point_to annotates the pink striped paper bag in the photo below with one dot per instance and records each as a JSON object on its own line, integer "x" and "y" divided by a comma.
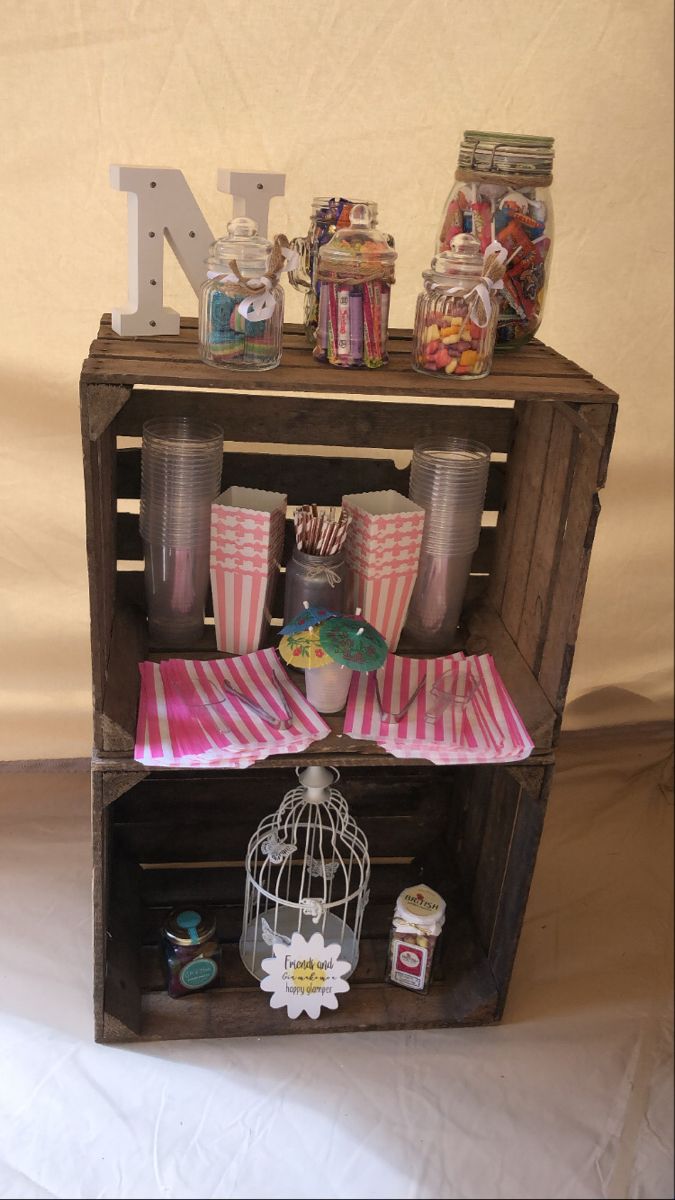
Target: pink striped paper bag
{"x": 247, "y": 533}
{"x": 488, "y": 729}
{"x": 187, "y": 719}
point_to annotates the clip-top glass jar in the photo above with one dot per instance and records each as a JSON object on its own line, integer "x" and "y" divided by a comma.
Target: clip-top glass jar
{"x": 192, "y": 952}
{"x": 355, "y": 273}
{"x": 501, "y": 192}
{"x": 228, "y": 338}
{"x": 419, "y": 917}
{"x": 453, "y": 332}
{"x": 328, "y": 215}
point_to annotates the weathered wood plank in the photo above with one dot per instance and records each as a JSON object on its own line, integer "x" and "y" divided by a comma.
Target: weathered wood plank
{"x": 305, "y": 479}
{"x": 537, "y": 428}
{"x": 466, "y": 996}
{"x": 321, "y": 421}
{"x": 567, "y": 589}
{"x": 544, "y": 553}
{"x": 129, "y": 548}
{"x": 183, "y": 351}
{"x": 299, "y": 372}
{"x": 99, "y": 477}
{"x": 516, "y": 878}
{"x": 122, "y": 991}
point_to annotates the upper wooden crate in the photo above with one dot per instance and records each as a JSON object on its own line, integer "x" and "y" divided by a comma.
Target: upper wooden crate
{"x": 547, "y": 422}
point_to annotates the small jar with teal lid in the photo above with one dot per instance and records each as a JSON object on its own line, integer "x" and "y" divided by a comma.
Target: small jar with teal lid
{"x": 192, "y": 952}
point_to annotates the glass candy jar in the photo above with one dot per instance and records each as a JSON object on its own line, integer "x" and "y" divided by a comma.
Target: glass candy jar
{"x": 456, "y": 314}
{"x": 419, "y": 917}
{"x": 240, "y": 328}
{"x": 328, "y": 215}
{"x": 192, "y": 952}
{"x": 502, "y": 191}
{"x": 355, "y": 273}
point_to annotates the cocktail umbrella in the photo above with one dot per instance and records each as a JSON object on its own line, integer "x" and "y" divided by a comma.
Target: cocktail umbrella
{"x": 303, "y": 649}
{"x": 308, "y": 617}
{"x": 353, "y": 643}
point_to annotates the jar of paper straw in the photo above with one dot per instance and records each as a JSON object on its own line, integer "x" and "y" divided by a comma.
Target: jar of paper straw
{"x": 355, "y": 274}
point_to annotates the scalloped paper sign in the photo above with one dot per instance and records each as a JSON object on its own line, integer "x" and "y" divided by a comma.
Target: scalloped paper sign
{"x": 305, "y": 976}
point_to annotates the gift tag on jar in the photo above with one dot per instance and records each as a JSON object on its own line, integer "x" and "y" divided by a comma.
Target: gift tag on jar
{"x": 305, "y": 975}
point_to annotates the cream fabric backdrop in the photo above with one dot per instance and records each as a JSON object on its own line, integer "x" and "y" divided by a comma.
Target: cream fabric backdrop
{"x": 365, "y": 98}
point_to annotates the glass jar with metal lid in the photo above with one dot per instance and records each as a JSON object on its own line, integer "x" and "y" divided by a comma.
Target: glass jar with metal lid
{"x": 355, "y": 274}
{"x": 329, "y": 213}
{"x": 192, "y": 952}
{"x": 419, "y": 917}
{"x": 502, "y": 192}
{"x": 456, "y": 314}
{"x": 241, "y": 302}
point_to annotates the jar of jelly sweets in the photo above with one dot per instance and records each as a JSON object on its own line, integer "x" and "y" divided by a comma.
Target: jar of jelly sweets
{"x": 192, "y": 952}
{"x": 418, "y": 920}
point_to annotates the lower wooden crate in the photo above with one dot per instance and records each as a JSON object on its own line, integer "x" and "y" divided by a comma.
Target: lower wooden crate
{"x": 471, "y": 832}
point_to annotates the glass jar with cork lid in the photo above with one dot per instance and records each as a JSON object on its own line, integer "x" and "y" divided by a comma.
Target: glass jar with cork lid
{"x": 502, "y": 193}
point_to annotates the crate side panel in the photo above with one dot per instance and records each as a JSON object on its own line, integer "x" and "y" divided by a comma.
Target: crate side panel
{"x": 321, "y": 421}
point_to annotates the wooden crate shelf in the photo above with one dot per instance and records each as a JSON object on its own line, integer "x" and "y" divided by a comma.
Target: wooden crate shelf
{"x": 472, "y": 832}
{"x": 317, "y": 433}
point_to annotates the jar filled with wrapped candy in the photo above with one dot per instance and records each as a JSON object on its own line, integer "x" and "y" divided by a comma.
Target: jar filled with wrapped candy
{"x": 355, "y": 274}
{"x": 328, "y": 215}
{"x": 502, "y": 193}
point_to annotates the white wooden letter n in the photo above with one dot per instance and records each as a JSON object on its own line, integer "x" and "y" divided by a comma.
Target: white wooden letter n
{"x": 161, "y": 205}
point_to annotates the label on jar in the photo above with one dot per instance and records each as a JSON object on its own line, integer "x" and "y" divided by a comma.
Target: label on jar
{"x": 198, "y": 973}
{"x": 409, "y": 965}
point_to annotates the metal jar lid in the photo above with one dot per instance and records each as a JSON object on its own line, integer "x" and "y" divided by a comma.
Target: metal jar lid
{"x": 506, "y": 153}
{"x": 421, "y": 906}
{"x": 189, "y": 926}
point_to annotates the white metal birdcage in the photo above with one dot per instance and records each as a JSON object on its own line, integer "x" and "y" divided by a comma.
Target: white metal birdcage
{"x": 307, "y": 870}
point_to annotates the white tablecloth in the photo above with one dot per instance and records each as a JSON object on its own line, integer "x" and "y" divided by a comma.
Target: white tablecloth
{"x": 570, "y": 1097}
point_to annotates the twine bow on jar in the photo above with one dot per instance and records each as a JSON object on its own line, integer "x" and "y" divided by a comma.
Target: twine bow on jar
{"x": 259, "y": 301}
{"x": 325, "y": 573}
{"x": 491, "y": 281}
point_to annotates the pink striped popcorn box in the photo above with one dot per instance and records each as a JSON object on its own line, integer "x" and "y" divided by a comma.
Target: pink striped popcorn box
{"x": 241, "y": 607}
{"x": 383, "y": 601}
{"x": 385, "y": 512}
{"x": 247, "y": 531}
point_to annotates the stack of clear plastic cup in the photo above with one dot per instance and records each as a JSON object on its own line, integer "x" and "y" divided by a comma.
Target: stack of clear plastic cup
{"x": 448, "y": 479}
{"x": 181, "y": 466}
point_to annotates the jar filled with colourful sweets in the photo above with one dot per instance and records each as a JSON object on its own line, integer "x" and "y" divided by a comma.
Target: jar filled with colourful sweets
{"x": 456, "y": 314}
{"x": 328, "y": 215}
{"x": 192, "y": 952}
{"x": 241, "y": 302}
{"x": 355, "y": 273}
{"x": 418, "y": 920}
{"x": 502, "y": 192}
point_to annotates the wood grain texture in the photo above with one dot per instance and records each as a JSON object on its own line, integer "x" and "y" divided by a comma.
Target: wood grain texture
{"x": 176, "y": 363}
{"x": 473, "y": 832}
{"x": 296, "y": 419}
{"x": 319, "y": 479}
{"x": 99, "y": 478}
{"x": 485, "y": 630}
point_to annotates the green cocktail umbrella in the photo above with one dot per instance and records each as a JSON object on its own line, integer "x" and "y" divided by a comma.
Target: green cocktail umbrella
{"x": 353, "y": 643}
